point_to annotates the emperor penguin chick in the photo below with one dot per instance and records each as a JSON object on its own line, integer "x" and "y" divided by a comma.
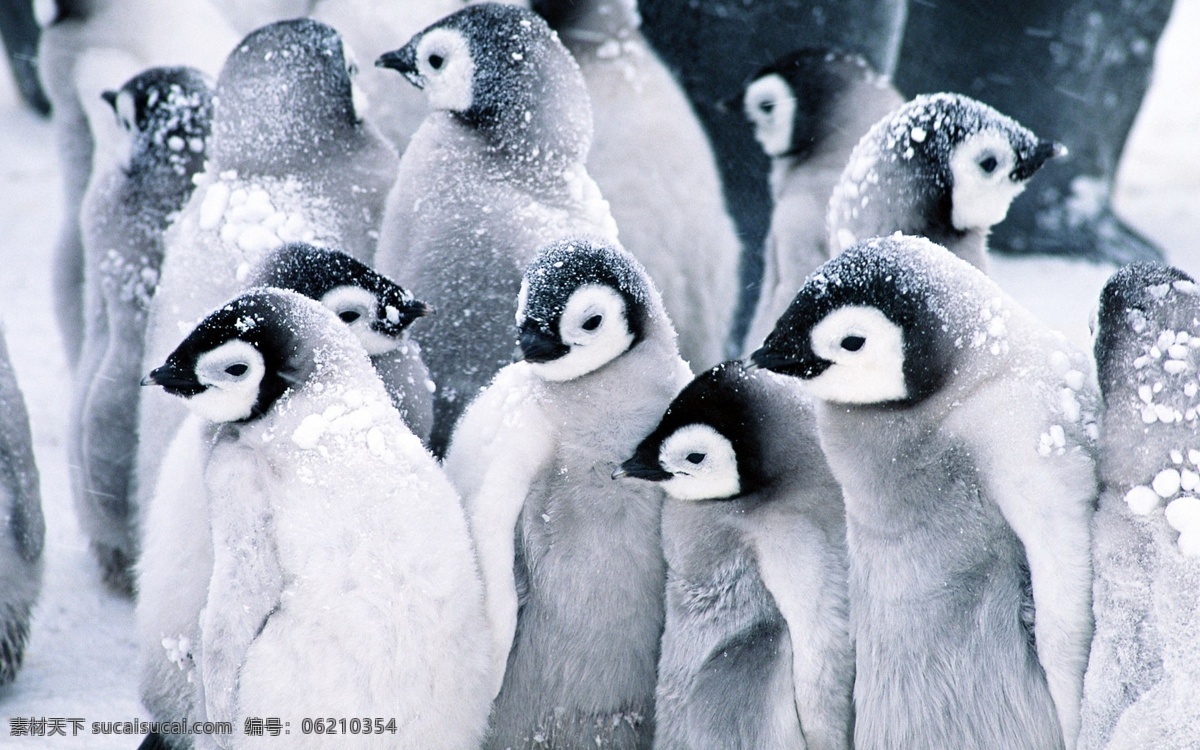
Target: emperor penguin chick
{"x": 1147, "y": 585}
{"x": 23, "y": 531}
{"x": 176, "y": 556}
{"x": 163, "y": 117}
{"x": 962, "y": 432}
{"x": 495, "y": 172}
{"x": 756, "y": 650}
{"x": 580, "y": 625}
{"x": 655, "y": 166}
{"x": 341, "y": 557}
{"x": 809, "y": 108}
{"x": 943, "y": 166}
{"x": 289, "y": 160}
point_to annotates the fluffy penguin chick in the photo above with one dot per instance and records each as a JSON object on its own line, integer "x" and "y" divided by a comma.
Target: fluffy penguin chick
{"x": 341, "y": 557}
{"x": 756, "y": 650}
{"x": 289, "y": 160}
{"x": 1147, "y": 587}
{"x": 580, "y": 625}
{"x": 495, "y": 172}
{"x": 23, "y": 530}
{"x": 961, "y": 431}
{"x": 809, "y": 108}
{"x": 943, "y": 166}
{"x": 163, "y": 117}
{"x": 655, "y": 166}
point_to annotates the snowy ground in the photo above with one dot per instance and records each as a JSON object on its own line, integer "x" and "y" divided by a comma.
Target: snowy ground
{"x": 81, "y": 661}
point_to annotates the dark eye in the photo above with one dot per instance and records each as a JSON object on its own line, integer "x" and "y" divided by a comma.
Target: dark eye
{"x": 237, "y": 370}
{"x": 989, "y": 164}
{"x": 695, "y": 458}
{"x": 436, "y": 61}
{"x": 349, "y": 316}
{"x": 768, "y": 106}
{"x": 592, "y": 323}
{"x": 853, "y": 343}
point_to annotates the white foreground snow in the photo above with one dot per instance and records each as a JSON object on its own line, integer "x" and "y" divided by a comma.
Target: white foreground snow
{"x": 81, "y": 659}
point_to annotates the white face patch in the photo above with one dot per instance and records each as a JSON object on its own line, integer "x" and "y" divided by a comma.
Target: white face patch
{"x": 983, "y": 188}
{"x": 703, "y": 462}
{"x": 867, "y": 352}
{"x": 232, "y": 374}
{"x": 357, "y": 308}
{"x": 594, "y": 326}
{"x": 445, "y": 65}
{"x": 771, "y": 106}
{"x": 359, "y": 97}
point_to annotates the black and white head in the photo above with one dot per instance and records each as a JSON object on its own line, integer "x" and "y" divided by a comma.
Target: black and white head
{"x": 165, "y": 115}
{"x": 877, "y": 324}
{"x": 941, "y": 166}
{"x": 500, "y": 68}
{"x": 241, "y": 358}
{"x": 377, "y": 309}
{"x": 790, "y": 102}
{"x": 708, "y": 445}
{"x": 582, "y": 304}
{"x": 285, "y": 93}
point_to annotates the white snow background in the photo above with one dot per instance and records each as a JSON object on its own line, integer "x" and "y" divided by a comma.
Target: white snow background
{"x": 81, "y": 659}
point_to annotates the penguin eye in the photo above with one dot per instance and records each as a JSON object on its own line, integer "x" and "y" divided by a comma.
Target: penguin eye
{"x": 237, "y": 370}
{"x": 349, "y": 316}
{"x": 695, "y": 458}
{"x": 436, "y": 61}
{"x": 989, "y": 164}
{"x": 592, "y": 323}
{"x": 853, "y": 343}
{"x": 767, "y": 106}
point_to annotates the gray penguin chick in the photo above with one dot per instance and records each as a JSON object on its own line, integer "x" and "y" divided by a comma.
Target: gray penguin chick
{"x": 576, "y": 619}
{"x": 962, "y": 432}
{"x": 655, "y": 166}
{"x": 1147, "y": 583}
{"x": 495, "y": 172}
{"x": 756, "y": 649}
{"x": 163, "y": 116}
{"x": 289, "y": 160}
{"x": 943, "y": 166}
{"x": 23, "y": 532}
{"x": 809, "y": 109}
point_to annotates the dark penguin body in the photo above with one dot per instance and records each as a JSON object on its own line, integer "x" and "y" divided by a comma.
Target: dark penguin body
{"x": 756, "y": 651}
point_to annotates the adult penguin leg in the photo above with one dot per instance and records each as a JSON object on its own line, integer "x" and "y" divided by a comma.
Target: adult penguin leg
{"x": 20, "y": 33}
{"x": 1073, "y": 70}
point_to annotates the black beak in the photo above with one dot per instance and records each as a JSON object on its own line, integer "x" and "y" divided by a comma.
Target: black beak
{"x": 1028, "y": 165}
{"x": 639, "y": 469}
{"x": 766, "y": 358}
{"x": 111, "y": 98}
{"x": 173, "y": 381}
{"x": 403, "y": 60}
{"x": 539, "y": 346}
{"x": 395, "y": 318}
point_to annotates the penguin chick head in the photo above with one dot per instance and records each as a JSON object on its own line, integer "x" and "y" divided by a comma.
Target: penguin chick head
{"x": 582, "y": 304}
{"x": 789, "y": 101}
{"x": 500, "y": 68}
{"x": 941, "y": 166}
{"x": 377, "y": 309}
{"x": 165, "y": 115}
{"x": 706, "y": 447}
{"x": 874, "y": 324}
{"x": 239, "y": 360}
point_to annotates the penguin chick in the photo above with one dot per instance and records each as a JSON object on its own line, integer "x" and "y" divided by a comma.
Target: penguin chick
{"x": 23, "y": 531}
{"x": 809, "y": 108}
{"x": 580, "y": 625}
{"x": 961, "y": 431}
{"x": 163, "y": 117}
{"x": 171, "y": 594}
{"x": 1147, "y": 588}
{"x": 756, "y": 650}
{"x": 495, "y": 172}
{"x": 341, "y": 557}
{"x": 655, "y": 166}
{"x": 943, "y": 166}
{"x": 289, "y": 160}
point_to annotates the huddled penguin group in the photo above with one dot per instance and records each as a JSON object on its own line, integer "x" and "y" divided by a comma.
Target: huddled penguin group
{"x": 387, "y": 406}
